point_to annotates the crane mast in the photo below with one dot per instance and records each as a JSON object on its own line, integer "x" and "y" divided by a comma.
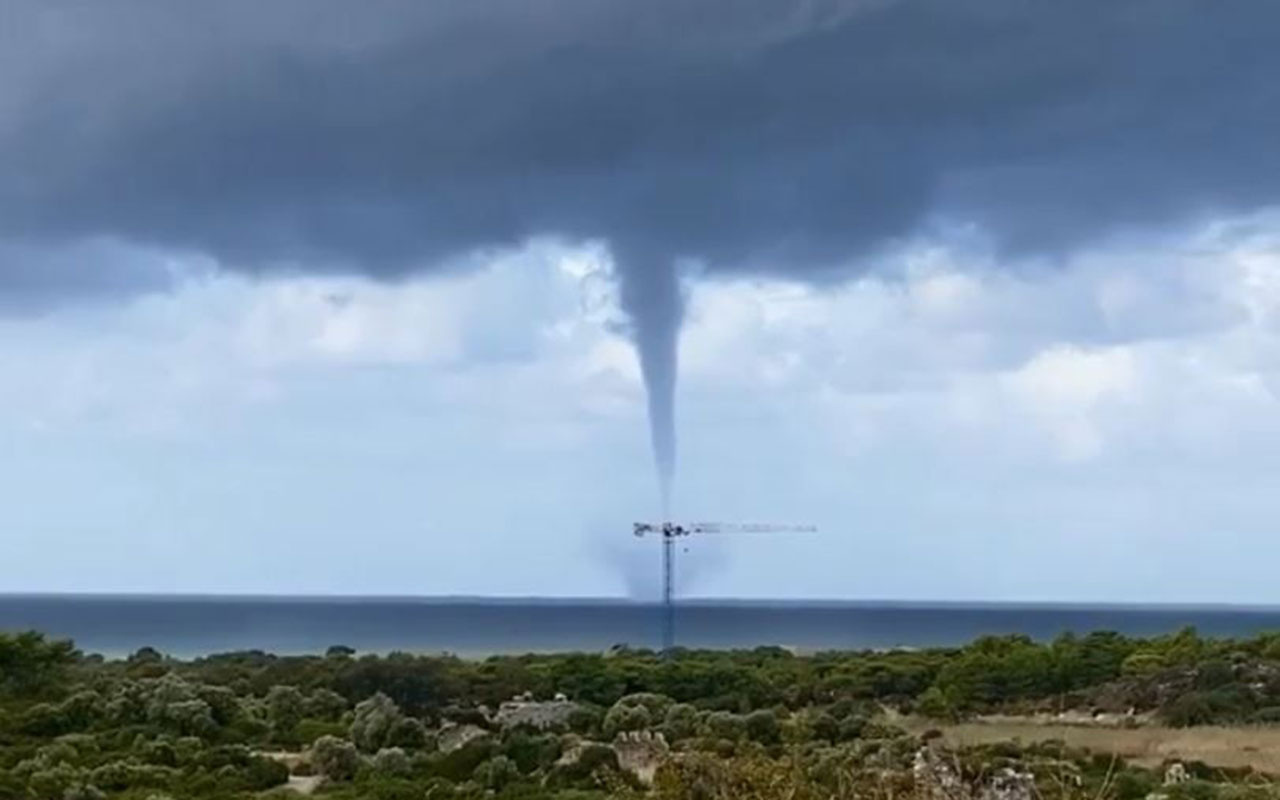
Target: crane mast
{"x": 670, "y": 532}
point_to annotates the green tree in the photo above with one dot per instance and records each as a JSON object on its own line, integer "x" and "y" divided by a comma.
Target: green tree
{"x": 762, "y": 726}
{"x": 286, "y": 707}
{"x": 497, "y": 773}
{"x": 681, "y": 722}
{"x": 373, "y": 722}
{"x": 30, "y": 664}
{"x": 935, "y": 704}
{"x": 334, "y": 758}
{"x": 626, "y": 718}
{"x": 325, "y": 704}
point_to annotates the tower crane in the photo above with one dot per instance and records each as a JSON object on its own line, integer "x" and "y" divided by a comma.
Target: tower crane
{"x": 669, "y": 532}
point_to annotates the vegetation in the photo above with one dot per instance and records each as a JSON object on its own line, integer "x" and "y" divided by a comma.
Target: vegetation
{"x": 702, "y": 724}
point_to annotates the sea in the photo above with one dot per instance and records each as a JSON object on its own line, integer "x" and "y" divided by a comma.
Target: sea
{"x": 190, "y": 626}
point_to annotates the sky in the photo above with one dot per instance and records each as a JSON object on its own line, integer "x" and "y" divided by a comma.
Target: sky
{"x": 438, "y": 299}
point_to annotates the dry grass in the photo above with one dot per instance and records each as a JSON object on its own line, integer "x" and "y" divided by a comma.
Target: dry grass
{"x": 1149, "y": 745}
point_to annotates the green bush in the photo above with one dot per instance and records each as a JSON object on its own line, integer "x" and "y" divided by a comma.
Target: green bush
{"x": 1268, "y": 715}
{"x": 622, "y": 718}
{"x": 725, "y": 725}
{"x": 586, "y": 719}
{"x": 681, "y": 722}
{"x": 374, "y": 720}
{"x": 326, "y": 705}
{"x": 593, "y": 762}
{"x": 391, "y": 762}
{"x": 264, "y": 773}
{"x": 936, "y": 704}
{"x": 334, "y": 758}
{"x": 285, "y": 708}
{"x": 762, "y": 726}
{"x": 310, "y": 729}
{"x": 1143, "y": 665}
{"x": 1187, "y": 710}
{"x": 496, "y": 773}
{"x": 408, "y": 733}
{"x": 460, "y": 764}
{"x": 531, "y": 751}
{"x": 120, "y": 775}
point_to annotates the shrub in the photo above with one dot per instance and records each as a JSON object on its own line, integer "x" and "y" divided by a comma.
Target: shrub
{"x": 223, "y": 703}
{"x": 30, "y": 664}
{"x": 586, "y": 719}
{"x": 373, "y": 722}
{"x": 54, "y": 781}
{"x": 655, "y": 704}
{"x": 460, "y": 764}
{"x": 530, "y": 751}
{"x": 496, "y": 773}
{"x": 326, "y": 705}
{"x": 936, "y": 704}
{"x": 83, "y": 791}
{"x": 594, "y": 760}
{"x": 824, "y": 726}
{"x": 309, "y": 730}
{"x": 335, "y": 758}
{"x": 44, "y": 719}
{"x": 1214, "y": 674}
{"x": 285, "y": 708}
{"x": 174, "y": 704}
{"x": 264, "y": 773}
{"x": 762, "y": 726}
{"x": 121, "y": 775}
{"x": 1187, "y": 710}
{"x": 391, "y": 761}
{"x": 1142, "y": 665}
{"x": 724, "y": 725}
{"x": 409, "y": 733}
{"x": 626, "y": 718}
{"x": 1131, "y": 784}
{"x": 1195, "y": 789}
{"x": 681, "y": 722}
{"x": 159, "y": 752}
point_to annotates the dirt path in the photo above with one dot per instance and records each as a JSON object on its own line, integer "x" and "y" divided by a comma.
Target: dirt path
{"x": 1148, "y": 745}
{"x": 302, "y": 784}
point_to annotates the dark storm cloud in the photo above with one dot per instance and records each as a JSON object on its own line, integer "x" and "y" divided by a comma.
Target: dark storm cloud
{"x": 750, "y": 134}
{"x": 42, "y": 276}
{"x": 761, "y": 135}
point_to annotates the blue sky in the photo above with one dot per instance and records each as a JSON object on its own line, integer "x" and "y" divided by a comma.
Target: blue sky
{"x": 398, "y": 298}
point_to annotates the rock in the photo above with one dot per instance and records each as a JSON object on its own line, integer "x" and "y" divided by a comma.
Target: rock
{"x": 454, "y": 737}
{"x": 1175, "y": 774}
{"x": 934, "y": 778}
{"x": 1010, "y": 784}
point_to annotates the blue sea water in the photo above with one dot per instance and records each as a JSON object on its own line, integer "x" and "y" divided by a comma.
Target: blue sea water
{"x": 191, "y": 626}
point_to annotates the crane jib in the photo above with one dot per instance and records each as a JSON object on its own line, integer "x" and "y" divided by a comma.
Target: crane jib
{"x": 670, "y": 531}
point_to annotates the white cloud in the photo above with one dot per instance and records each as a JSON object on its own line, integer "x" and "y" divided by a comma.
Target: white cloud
{"x": 939, "y": 413}
{"x": 1066, "y": 387}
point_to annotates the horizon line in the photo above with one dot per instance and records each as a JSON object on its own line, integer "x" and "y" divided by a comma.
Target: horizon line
{"x": 695, "y": 600}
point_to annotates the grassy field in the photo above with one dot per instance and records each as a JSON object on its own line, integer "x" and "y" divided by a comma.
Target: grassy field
{"x": 1257, "y": 747}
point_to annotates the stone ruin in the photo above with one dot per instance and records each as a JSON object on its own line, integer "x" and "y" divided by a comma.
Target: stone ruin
{"x": 641, "y": 753}
{"x": 938, "y": 780}
{"x": 524, "y": 710}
